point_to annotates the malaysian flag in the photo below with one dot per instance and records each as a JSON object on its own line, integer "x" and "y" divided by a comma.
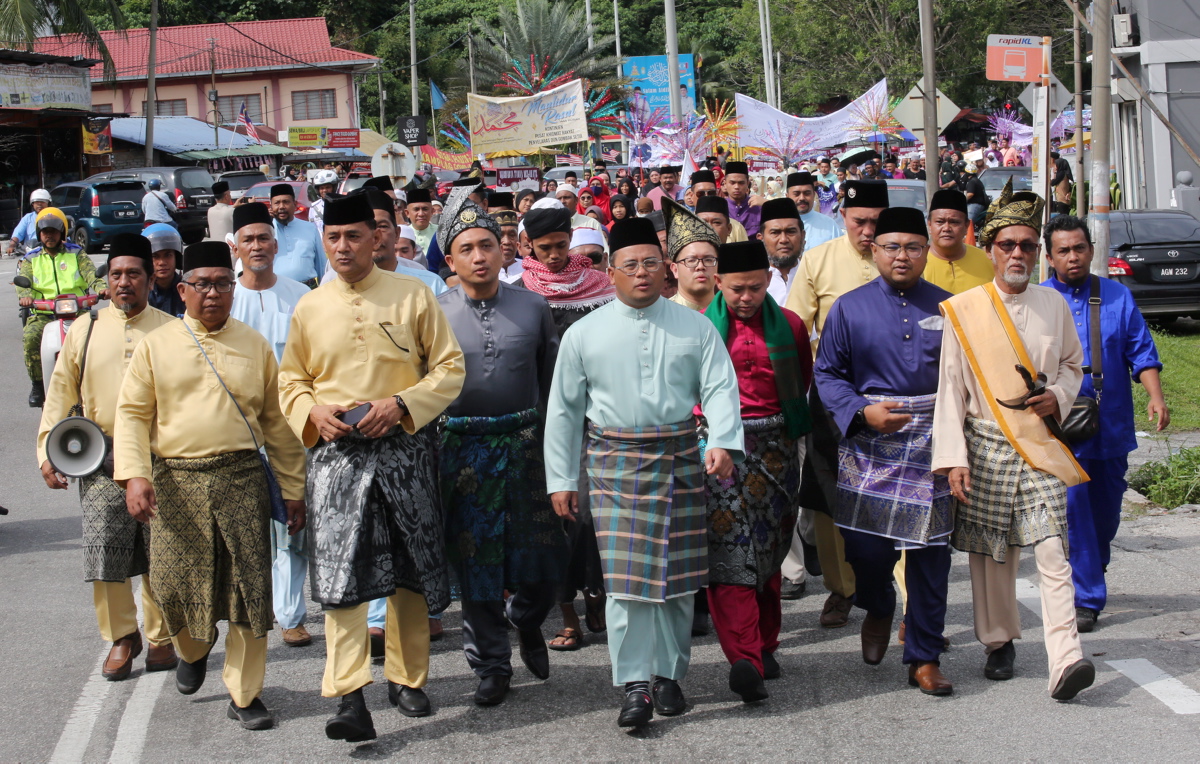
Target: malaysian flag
{"x": 609, "y": 155}
{"x": 570, "y": 160}
{"x": 244, "y": 121}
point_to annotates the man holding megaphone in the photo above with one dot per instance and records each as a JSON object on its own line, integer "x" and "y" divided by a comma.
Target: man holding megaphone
{"x": 89, "y": 372}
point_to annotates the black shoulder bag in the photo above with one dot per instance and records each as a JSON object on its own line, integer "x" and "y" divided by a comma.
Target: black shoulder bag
{"x": 278, "y": 508}
{"x": 1083, "y": 421}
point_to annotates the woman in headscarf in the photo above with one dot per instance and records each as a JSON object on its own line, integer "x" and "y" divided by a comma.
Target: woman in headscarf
{"x": 550, "y": 187}
{"x": 627, "y": 188}
{"x": 525, "y": 199}
{"x": 601, "y": 194}
{"x": 621, "y": 207}
{"x": 586, "y": 197}
{"x": 596, "y": 213}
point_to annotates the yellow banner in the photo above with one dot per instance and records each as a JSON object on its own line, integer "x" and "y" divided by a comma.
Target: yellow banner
{"x": 306, "y": 136}
{"x": 553, "y": 117}
{"x": 98, "y": 142}
{"x": 444, "y": 160}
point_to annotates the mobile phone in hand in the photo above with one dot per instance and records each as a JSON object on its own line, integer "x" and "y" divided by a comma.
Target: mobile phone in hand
{"x": 354, "y": 415}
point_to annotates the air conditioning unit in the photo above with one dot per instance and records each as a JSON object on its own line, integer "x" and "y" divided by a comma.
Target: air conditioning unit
{"x": 1125, "y": 31}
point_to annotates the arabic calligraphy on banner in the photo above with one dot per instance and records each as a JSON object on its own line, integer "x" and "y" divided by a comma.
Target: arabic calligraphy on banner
{"x": 548, "y": 118}
{"x": 757, "y": 121}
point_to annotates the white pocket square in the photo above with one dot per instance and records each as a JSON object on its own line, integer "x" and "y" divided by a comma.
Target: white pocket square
{"x": 932, "y": 323}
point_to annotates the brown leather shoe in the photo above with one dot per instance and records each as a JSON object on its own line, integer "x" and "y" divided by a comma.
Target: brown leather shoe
{"x": 119, "y": 662}
{"x": 876, "y": 631}
{"x": 928, "y": 676}
{"x": 297, "y": 637}
{"x": 378, "y": 642}
{"x": 161, "y": 657}
{"x": 836, "y": 611}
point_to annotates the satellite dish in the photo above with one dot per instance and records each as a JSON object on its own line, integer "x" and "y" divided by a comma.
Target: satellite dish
{"x": 396, "y": 161}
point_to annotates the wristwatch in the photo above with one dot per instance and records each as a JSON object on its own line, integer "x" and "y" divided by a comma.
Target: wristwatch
{"x": 859, "y": 422}
{"x": 400, "y": 403}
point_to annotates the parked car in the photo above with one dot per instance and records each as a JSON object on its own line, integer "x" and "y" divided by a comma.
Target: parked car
{"x": 994, "y": 178}
{"x": 557, "y": 174}
{"x": 306, "y": 194}
{"x": 352, "y": 182}
{"x": 190, "y": 187}
{"x": 907, "y": 193}
{"x": 99, "y": 210}
{"x": 240, "y": 180}
{"x": 1156, "y": 253}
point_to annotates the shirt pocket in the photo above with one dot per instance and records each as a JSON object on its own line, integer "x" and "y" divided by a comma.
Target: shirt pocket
{"x": 1047, "y": 356}
{"x": 244, "y": 378}
{"x": 391, "y": 342}
{"x": 682, "y": 362}
{"x": 518, "y": 351}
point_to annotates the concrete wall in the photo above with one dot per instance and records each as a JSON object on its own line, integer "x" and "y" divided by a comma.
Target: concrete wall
{"x": 274, "y": 88}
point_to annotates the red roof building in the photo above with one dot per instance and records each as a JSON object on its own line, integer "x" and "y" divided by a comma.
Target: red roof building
{"x": 287, "y": 72}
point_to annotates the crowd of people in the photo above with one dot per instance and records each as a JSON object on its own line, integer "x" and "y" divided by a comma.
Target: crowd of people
{"x": 677, "y": 403}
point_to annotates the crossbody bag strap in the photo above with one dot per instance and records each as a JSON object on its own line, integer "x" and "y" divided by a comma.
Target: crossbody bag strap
{"x": 227, "y": 392}
{"x": 1095, "y": 340}
{"x": 77, "y": 409}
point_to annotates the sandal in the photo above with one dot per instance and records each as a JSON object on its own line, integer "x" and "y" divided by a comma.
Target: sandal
{"x": 594, "y": 615}
{"x": 566, "y": 640}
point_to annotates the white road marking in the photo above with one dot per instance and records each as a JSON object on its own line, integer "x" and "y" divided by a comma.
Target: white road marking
{"x": 73, "y": 742}
{"x": 131, "y": 734}
{"x": 1029, "y": 595}
{"x": 1175, "y": 694}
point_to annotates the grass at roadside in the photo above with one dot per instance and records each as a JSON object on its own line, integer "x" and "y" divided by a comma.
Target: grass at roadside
{"x": 1179, "y": 349}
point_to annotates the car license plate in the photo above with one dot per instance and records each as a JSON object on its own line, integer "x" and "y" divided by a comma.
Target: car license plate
{"x": 202, "y": 202}
{"x": 1176, "y": 272}
{"x": 127, "y": 213}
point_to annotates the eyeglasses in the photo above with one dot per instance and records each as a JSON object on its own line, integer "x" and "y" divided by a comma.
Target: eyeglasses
{"x": 204, "y": 287}
{"x": 893, "y": 250}
{"x": 692, "y": 262}
{"x": 709, "y": 192}
{"x": 1027, "y": 247}
{"x": 630, "y": 267}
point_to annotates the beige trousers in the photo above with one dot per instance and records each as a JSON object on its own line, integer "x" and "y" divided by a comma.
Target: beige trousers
{"x": 116, "y": 612}
{"x": 793, "y": 565}
{"x": 994, "y": 595}
{"x": 348, "y": 646}
{"x": 245, "y": 660}
{"x": 831, "y": 552}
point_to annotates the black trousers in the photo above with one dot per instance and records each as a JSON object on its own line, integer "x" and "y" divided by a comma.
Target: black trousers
{"x": 485, "y": 627}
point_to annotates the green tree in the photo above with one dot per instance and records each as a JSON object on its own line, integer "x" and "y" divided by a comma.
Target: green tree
{"x": 23, "y": 21}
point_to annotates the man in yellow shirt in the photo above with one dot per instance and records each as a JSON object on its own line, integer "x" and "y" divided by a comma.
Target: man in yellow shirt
{"x": 715, "y": 211}
{"x": 376, "y": 341}
{"x": 953, "y": 264}
{"x": 115, "y": 546}
{"x": 825, "y": 273}
{"x": 201, "y": 395}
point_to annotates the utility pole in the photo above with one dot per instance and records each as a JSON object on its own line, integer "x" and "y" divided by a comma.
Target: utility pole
{"x": 471, "y": 55}
{"x": 1101, "y": 131}
{"x": 620, "y": 73}
{"x": 382, "y": 96}
{"x": 212, "y": 73}
{"x": 151, "y": 100}
{"x": 1077, "y": 35}
{"x": 771, "y": 54}
{"x": 768, "y": 75}
{"x": 587, "y": 9}
{"x": 412, "y": 50}
{"x": 929, "y": 110}
{"x": 672, "y": 59}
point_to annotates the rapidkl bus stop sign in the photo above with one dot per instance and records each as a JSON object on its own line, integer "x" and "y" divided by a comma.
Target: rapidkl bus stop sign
{"x": 1014, "y": 59}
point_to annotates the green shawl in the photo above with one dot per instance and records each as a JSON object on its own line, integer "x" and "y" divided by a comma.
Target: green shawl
{"x": 785, "y": 361}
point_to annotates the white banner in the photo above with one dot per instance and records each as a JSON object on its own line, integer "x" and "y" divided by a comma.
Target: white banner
{"x": 519, "y": 124}
{"x": 49, "y": 86}
{"x": 764, "y": 127}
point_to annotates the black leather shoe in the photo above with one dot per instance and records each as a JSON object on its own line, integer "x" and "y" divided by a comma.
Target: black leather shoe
{"x": 534, "y": 654}
{"x": 668, "y": 697}
{"x": 377, "y": 638}
{"x": 1000, "y": 662}
{"x": 745, "y": 681}
{"x": 352, "y": 722}
{"x": 253, "y": 717}
{"x": 37, "y": 395}
{"x": 409, "y": 700}
{"x": 1077, "y": 677}
{"x": 637, "y": 711}
{"x": 1085, "y": 619}
{"x": 770, "y": 666}
{"x": 189, "y": 677}
{"x": 700, "y": 624}
{"x": 492, "y": 690}
{"x": 792, "y": 591}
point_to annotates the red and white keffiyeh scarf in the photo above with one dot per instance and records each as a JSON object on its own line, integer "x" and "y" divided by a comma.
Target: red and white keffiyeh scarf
{"x": 577, "y": 286}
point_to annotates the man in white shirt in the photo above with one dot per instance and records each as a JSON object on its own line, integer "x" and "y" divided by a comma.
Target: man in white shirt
{"x": 569, "y": 197}
{"x": 156, "y": 205}
{"x": 782, "y": 234}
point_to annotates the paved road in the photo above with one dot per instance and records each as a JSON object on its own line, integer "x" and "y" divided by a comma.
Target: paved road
{"x": 828, "y": 706}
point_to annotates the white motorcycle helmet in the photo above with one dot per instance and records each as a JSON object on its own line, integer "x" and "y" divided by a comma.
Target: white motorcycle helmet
{"x": 325, "y": 178}
{"x": 40, "y": 195}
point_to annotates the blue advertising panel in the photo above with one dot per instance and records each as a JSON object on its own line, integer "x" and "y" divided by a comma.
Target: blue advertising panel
{"x": 651, "y": 82}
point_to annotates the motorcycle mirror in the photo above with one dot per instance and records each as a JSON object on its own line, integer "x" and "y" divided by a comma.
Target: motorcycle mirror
{"x": 102, "y": 270}
{"x": 23, "y": 282}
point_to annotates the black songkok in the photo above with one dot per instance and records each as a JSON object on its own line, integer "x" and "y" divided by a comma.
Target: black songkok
{"x": 219, "y": 188}
{"x": 779, "y": 209}
{"x": 630, "y": 232}
{"x": 283, "y": 189}
{"x": 540, "y": 222}
{"x": 703, "y": 176}
{"x": 865, "y": 193}
{"x": 800, "y": 179}
{"x": 949, "y": 199}
{"x": 736, "y": 168}
{"x": 419, "y": 196}
{"x": 902, "y": 220}
{"x": 251, "y": 212}
{"x": 742, "y": 256}
{"x": 132, "y": 245}
{"x": 349, "y": 210}
{"x": 381, "y": 182}
{"x": 207, "y": 254}
{"x": 712, "y": 204}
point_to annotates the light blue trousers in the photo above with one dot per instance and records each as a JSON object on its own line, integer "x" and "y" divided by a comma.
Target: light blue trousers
{"x": 649, "y": 639}
{"x": 287, "y": 583}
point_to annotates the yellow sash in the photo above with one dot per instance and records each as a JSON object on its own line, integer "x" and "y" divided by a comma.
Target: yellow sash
{"x": 993, "y": 349}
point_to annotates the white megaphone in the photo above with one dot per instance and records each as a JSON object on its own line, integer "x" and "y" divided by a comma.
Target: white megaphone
{"x": 76, "y": 447}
